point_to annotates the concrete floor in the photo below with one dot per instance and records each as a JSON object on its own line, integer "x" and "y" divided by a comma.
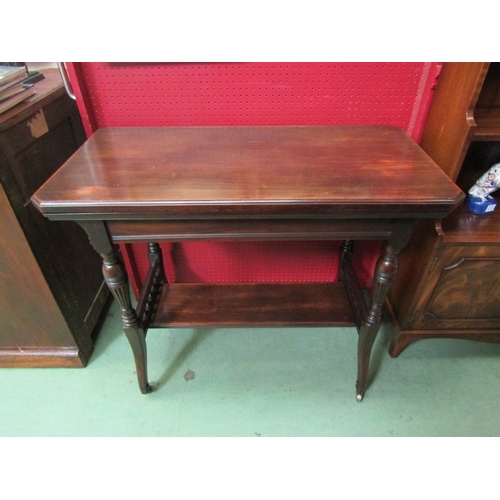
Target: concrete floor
{"x": 258, "y": 383}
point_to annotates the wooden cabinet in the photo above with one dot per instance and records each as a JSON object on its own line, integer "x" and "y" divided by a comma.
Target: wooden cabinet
{"x": 47, "y": 319}
{"x": 453, "y": 268}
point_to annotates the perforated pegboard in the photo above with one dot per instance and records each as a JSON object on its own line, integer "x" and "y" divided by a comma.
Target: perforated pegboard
{"x": 168, "y": 94}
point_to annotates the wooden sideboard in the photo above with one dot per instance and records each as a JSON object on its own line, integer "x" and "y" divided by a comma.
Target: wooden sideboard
{"x": 451, "y": 268}
{"x": 52, "y": 291}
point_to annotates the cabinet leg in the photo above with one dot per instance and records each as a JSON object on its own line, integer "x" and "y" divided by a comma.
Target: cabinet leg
{"x": 385, "y": 275}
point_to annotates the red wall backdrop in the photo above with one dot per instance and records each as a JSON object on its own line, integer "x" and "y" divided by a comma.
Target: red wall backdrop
{"x": 230, "y": 94}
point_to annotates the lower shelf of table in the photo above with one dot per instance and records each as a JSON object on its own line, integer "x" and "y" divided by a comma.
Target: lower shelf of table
{"x": 242, "y": 305}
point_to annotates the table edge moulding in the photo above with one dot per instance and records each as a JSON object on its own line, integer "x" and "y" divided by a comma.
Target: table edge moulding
{"x": 164, "y": 184}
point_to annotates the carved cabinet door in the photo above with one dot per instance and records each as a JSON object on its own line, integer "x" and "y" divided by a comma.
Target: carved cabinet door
{"x": 463, "y": 289}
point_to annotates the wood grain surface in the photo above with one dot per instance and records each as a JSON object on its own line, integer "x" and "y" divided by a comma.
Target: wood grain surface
{"x": 241, "y": 171}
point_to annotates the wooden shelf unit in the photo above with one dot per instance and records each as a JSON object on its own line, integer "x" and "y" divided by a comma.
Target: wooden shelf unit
{"x": 487, "y": 125}
{"x": 48, "y": 319}
{"x": 487, "y": 109}
{"x": 453, "y": 269}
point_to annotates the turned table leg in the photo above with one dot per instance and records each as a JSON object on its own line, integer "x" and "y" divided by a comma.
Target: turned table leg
{"x": 385, "y": 275}
{"x": 117, "y": 281}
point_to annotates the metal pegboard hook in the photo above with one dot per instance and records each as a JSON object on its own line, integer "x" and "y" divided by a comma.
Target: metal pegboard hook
{"x": 65, "y": 80}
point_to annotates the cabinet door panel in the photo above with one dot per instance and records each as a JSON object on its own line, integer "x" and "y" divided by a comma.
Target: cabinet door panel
{"x": 464, "y": 290}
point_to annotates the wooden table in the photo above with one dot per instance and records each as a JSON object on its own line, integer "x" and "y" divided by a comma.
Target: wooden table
{"x": 249, "y": 183}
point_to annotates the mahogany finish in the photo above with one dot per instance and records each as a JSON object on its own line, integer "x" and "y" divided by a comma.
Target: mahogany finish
{"x": 255, "y": 229}
{"x": 242, "y": 305}
{"x": 230, "y": 183}
{"x": 248, "y": 171}
{"x": 451, "y": 267}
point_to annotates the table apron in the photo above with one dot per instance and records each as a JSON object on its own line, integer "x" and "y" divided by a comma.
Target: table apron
{"x": 129, "y": 231}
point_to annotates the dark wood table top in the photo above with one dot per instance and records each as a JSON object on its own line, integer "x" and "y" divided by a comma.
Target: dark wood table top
{"x": 271, "y": 171}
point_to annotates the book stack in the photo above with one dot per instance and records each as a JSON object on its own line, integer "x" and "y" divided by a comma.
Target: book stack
{"x": 12, "y": 91}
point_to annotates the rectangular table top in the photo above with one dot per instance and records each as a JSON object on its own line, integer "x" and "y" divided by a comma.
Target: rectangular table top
{"x": 254, "y": 171}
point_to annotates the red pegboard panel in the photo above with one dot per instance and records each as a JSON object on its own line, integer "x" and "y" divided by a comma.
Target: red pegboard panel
{"x": 168, "y": 94}
{"x": 183, "y": 94}
{"x": 255, "y": 262}
{"x": 236, "y": 262}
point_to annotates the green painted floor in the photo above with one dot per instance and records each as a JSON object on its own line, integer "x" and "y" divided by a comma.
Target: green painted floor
{"x": 258, "y": 383}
